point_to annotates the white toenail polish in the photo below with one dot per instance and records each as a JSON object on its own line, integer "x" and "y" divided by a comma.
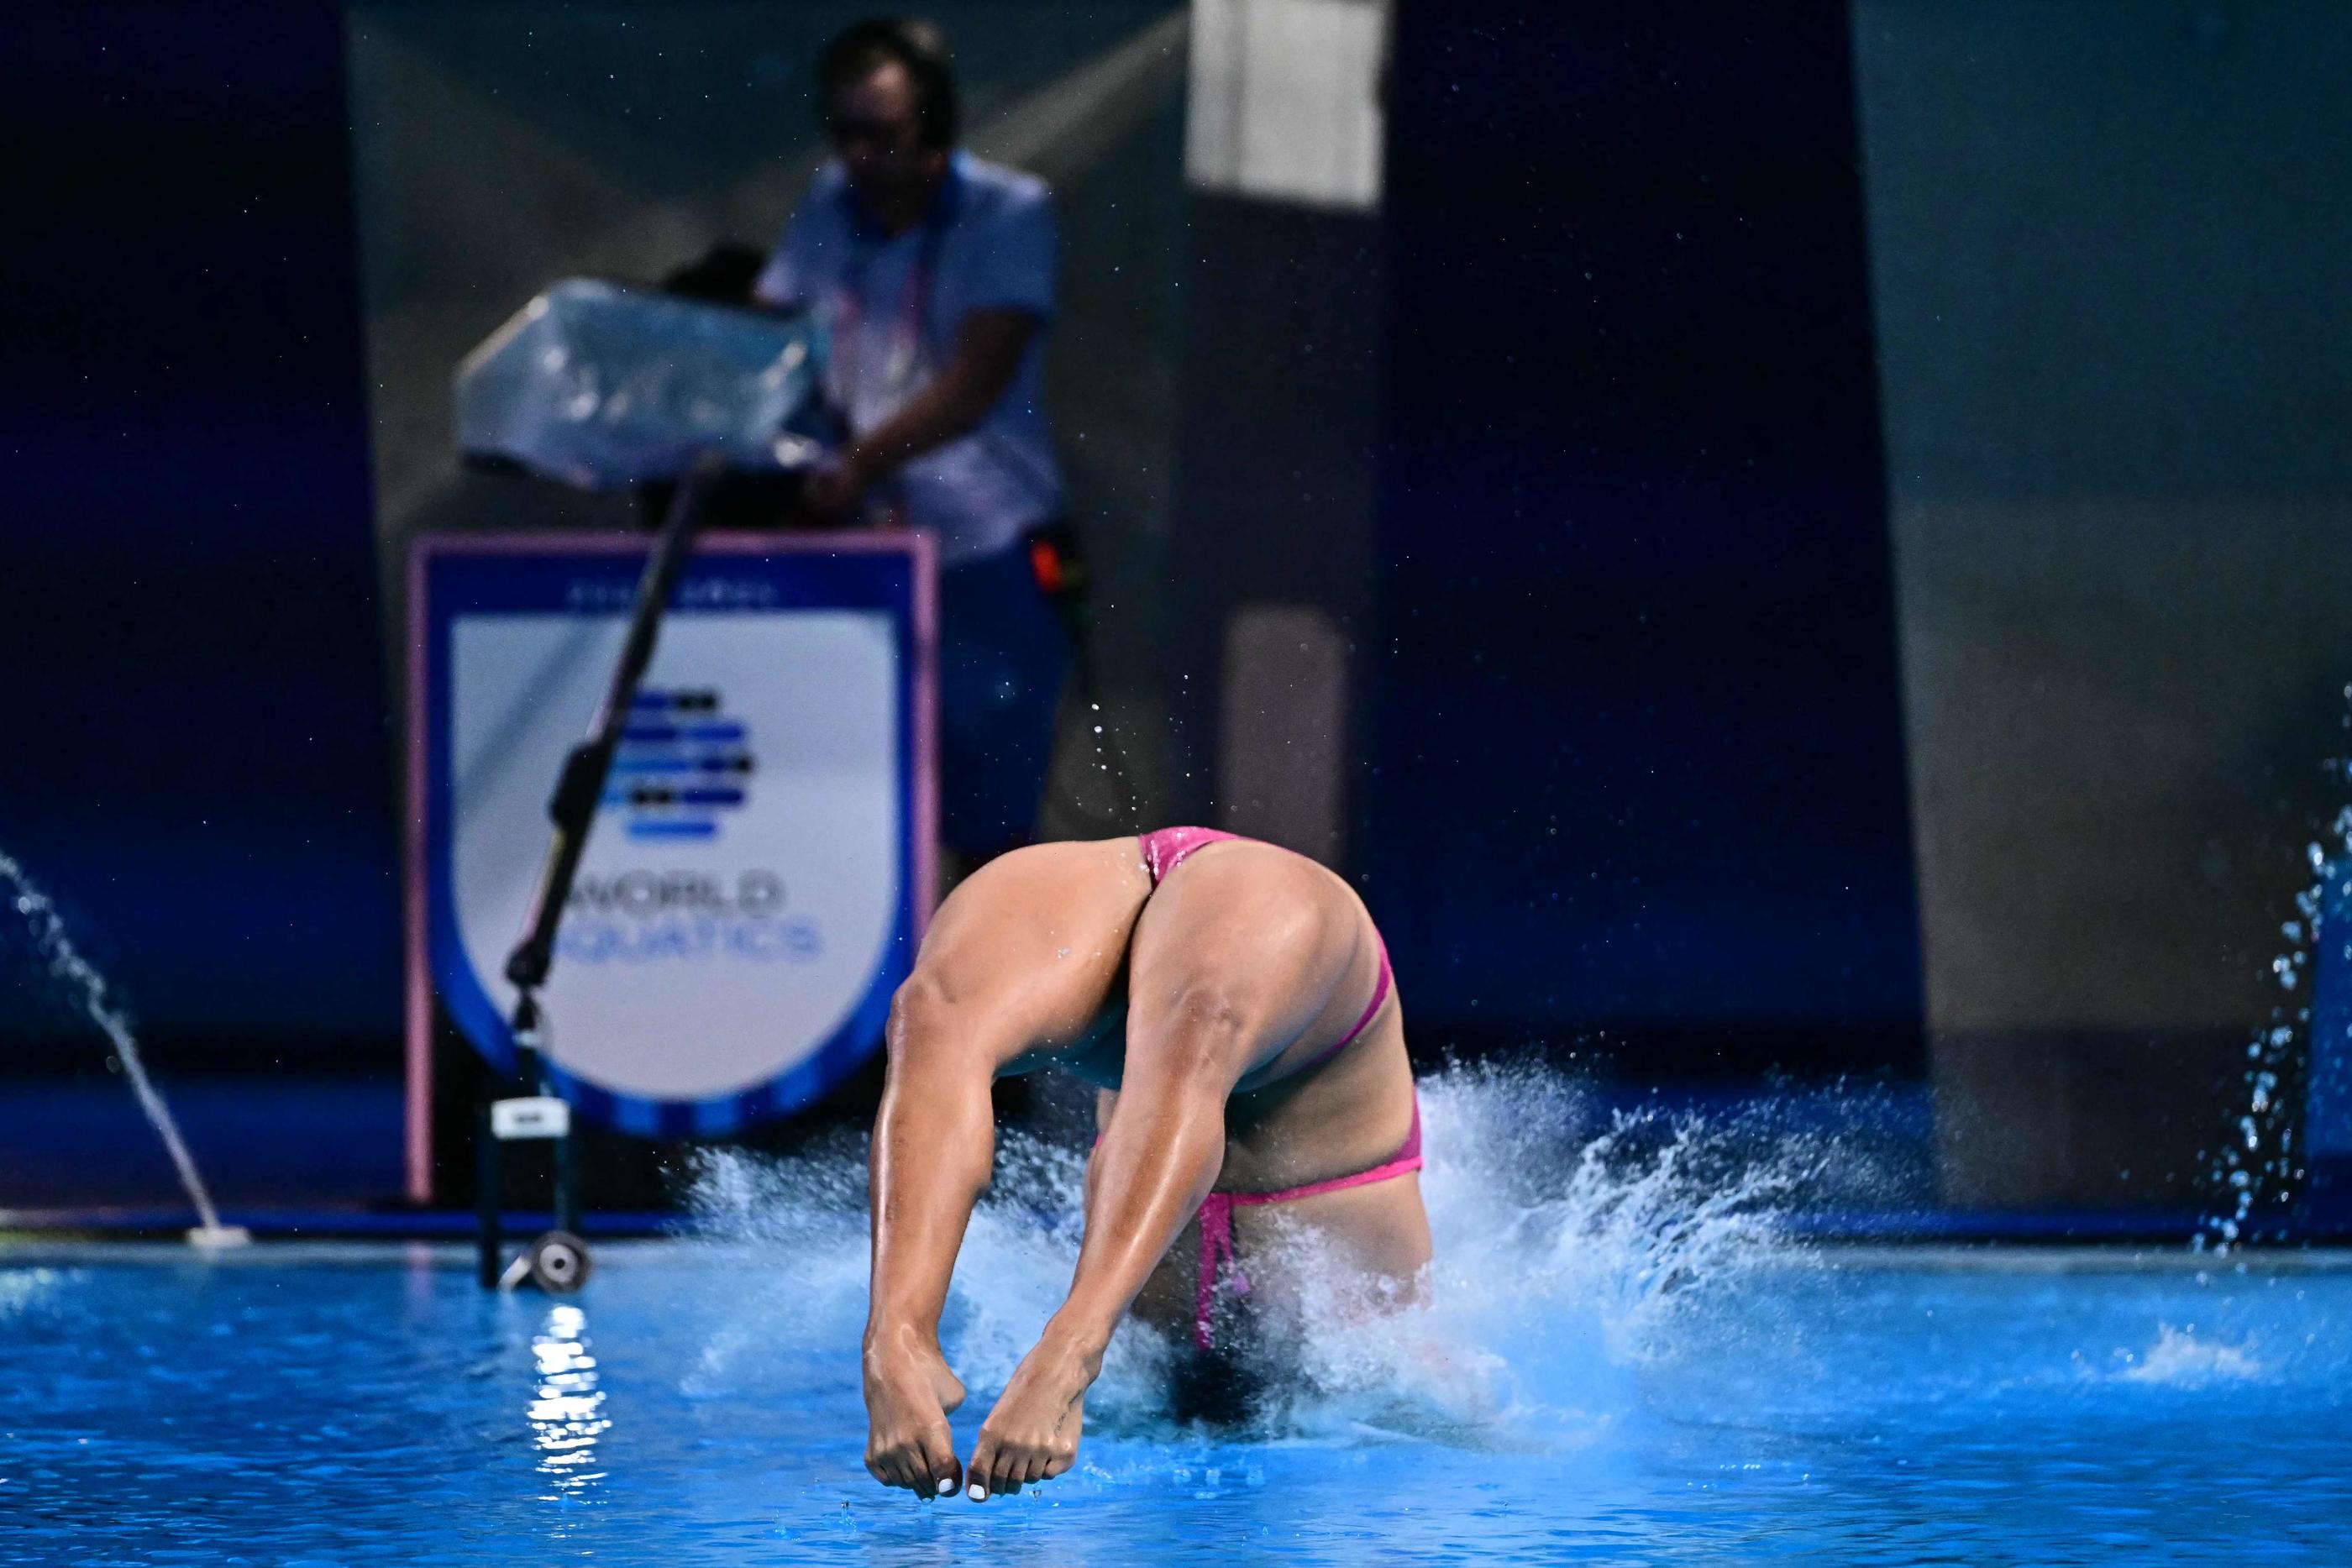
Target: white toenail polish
{"x": 946, "y": 1486}
{"x": 976, "y": 1492}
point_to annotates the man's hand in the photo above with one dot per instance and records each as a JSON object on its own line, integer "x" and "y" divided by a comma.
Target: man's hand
{"x": 833, "y": 488}
{"x": 987, "y": 355}
{"x": 1032, "y": 1433}
{"x": 910, "y": 1394}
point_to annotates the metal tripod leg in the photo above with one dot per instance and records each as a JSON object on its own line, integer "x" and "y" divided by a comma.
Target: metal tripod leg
{"x": 488, "y": 1241}
{"x": 567, "y": 1182}
{"x": 540, "y": 1114}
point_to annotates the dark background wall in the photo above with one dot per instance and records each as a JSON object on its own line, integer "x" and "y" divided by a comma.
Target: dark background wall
{"x": 196, "y": 758}
{"x": 1639, "y": 758}
{"x": 2108, "y": 248}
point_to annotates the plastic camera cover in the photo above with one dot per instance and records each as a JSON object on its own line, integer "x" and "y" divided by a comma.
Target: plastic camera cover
{"x": 601, "y": 385}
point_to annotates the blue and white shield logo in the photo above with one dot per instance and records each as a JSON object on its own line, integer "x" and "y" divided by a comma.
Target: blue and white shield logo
{"x": 750, "y": 896}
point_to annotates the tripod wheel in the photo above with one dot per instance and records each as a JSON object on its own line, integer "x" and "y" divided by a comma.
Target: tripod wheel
{"x": 559, "y": 1262}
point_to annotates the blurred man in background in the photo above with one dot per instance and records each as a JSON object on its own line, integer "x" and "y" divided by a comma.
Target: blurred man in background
{"x": 934, "y": 273}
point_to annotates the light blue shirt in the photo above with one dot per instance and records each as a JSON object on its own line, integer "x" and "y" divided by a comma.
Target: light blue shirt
{"x": 891, "y": 308}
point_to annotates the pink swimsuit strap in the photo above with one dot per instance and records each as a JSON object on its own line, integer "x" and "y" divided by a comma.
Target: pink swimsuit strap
{"x": 1218, "y": 1267}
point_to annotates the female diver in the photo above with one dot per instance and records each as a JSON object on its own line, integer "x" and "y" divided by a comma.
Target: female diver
{"x": 1261, "y": 1069}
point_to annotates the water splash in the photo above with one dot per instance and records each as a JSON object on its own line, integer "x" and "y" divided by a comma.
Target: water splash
{"x": 2254, "y": 1174}
{"x": 89, "y": 990}
{"x": 1577, "y": 1247}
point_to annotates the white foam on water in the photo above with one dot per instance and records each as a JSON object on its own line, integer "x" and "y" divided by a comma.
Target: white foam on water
{"x": 2180, "y": 1359}
{"x": 1572, "y": 1250}
{"x": 24, "y": 1289}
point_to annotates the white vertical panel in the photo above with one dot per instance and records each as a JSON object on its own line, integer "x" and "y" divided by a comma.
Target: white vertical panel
{"x": 1285, "y": 100}
{"x": 1282, "y": 739}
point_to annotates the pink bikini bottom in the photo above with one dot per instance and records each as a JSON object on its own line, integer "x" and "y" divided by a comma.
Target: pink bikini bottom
{"x": 1218, "y": 1267}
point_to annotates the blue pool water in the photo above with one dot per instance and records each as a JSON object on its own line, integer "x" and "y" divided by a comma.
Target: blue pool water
{"x": 1627, "y": 1363}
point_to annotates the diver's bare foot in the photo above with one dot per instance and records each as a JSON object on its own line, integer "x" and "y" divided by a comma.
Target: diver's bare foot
{"x": 1032, "y": 1433}
{"x": 910, "y": 1394}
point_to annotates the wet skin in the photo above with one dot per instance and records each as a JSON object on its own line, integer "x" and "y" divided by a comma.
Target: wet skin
{"x": 1195, "y": 1008}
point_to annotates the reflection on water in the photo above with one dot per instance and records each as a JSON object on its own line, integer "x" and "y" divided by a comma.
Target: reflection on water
{"x": 567, "y": 1407}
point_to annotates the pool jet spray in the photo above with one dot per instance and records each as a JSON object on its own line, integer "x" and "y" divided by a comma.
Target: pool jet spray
{"x": 67, "y": 964}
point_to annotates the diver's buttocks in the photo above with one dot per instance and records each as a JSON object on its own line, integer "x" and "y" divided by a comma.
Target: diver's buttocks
{"x": 1235, "y": 1004}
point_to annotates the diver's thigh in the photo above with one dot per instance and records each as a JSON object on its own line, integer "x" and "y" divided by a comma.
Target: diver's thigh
{"x": 1245, "y": 927}
{"x": 1041, "y": 932}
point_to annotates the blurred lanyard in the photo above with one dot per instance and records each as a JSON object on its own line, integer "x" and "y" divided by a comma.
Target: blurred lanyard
{"x": 906, "y": 334}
